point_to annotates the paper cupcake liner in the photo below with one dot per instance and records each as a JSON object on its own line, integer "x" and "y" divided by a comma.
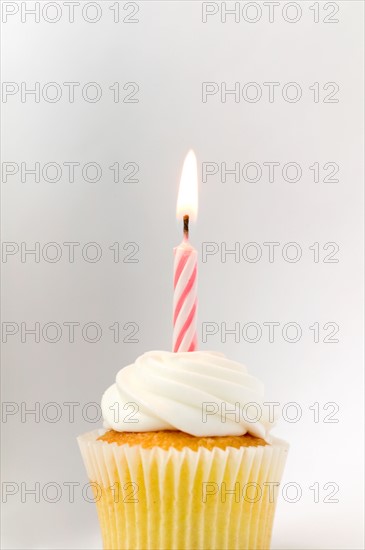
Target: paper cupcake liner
{"x": 182, "y": 499}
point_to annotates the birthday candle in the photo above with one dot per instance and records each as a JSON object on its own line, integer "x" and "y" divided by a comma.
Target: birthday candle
{"x": 186, "y": 263}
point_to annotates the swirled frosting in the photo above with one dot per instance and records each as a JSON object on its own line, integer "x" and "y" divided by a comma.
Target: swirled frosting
{"x": 201, "y": 393}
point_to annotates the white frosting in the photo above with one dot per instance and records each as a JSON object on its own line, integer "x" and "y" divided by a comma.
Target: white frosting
{"x": 201, "y": 393}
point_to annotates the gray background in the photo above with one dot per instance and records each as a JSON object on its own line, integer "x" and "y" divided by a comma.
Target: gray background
{"x": 169, "y": 53}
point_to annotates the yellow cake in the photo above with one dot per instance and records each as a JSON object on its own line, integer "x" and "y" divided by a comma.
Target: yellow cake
{"x": 164, "y": 439}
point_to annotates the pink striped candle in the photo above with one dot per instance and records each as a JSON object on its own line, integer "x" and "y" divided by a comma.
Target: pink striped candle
{"x": 185, "y": 297}
{"x": 186, "y": 263}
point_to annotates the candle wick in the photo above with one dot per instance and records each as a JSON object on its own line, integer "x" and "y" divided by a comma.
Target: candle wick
{"x": 186, "y": 226}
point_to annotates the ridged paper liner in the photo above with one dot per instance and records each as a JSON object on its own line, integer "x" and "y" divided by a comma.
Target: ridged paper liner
{"x": 154, "y": 498}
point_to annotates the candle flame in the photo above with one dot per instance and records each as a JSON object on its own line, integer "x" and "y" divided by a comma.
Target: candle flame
{"x": 187, "y": 200}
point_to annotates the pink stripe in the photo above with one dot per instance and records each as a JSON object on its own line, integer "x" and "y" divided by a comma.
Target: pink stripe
{"x": 194, "y": 344}
{"x": 180, "y": 267}
{"x": 186, "y": 291}
{"x": 184, "y": 328}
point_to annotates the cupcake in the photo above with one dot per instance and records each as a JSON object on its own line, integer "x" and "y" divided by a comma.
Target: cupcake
{"x": 186, "y": 460}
